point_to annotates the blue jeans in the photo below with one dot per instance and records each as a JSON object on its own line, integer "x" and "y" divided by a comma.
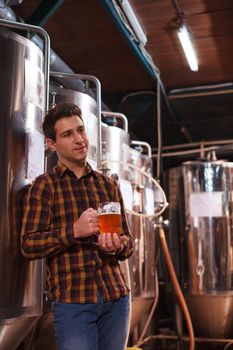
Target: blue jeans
{"x": 102, "y": 326}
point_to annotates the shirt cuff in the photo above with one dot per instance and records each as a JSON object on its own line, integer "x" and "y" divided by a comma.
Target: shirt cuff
{"x": 66, "y": 235}
{"x": 126, "y": 249}
{"x": 113, "y": 252}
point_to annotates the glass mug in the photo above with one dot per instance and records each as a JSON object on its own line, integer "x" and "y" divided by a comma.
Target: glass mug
{"x": 110, "y": 217}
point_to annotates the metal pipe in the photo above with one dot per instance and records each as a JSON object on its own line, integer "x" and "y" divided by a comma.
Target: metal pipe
{"x": 145, "y": 144}
{"x": 184, "y": 338}
{"x": 44, "y": 11}
{"x": 98, "y": 102}
{"x": 200, "y": 150}
{"x": 137, "y": 93}
{"x": 159, "y": 131}
{"x": 199, "y": 94}
{"x": 6, "y": 12}
{"x": 111, "y": 9}
{"x": 120, "y": 116}
{"x": 202, "y": 87}
{"x": 46, "y": 47}
{"x": 194, "y": 144}
{"x": 141, "y": 53}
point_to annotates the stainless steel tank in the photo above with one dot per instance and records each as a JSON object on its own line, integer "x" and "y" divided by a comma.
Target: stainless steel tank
{"x": 200, "y": 236}
{"x": 138, "y": 195}
{"x": 115, "y": 150}
{"x": 88, "y": 107}
{"x": 143, "y": 261}
{"x": 21, "y": 159}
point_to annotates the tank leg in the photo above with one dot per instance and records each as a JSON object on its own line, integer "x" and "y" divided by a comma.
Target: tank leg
{"x": 179, "y": 325}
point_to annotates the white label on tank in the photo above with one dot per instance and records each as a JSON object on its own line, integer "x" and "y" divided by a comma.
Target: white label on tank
{"x": 125, "y": 154}
{"x": 90, "y": 123}
{"x": 34, "y": 84}
{"x": 127, "y": 193}
{"x": 195, "y": 221}
{"x": 150, "y": 201}
{"x": 158, "y": 195}
{"x": 35, "y": 155}
{"x": 206, "y": 204}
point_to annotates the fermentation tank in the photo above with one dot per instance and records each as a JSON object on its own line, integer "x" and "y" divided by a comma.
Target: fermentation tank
{"x": 143, "y": 261}
{"x": 138, "y": 195}
{"x": 88, "y": 106}
{"x": 21, "y": 159}
{"x": 200, "y": 237}
{"x": 115, "y": 150}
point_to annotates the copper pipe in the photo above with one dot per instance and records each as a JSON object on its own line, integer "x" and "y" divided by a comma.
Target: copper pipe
{"x": 178, "y": 291}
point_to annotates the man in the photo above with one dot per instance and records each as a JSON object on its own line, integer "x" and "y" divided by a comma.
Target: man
{"x": 90, "y": 298}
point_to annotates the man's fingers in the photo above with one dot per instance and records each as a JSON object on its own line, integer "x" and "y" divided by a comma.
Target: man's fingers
{"x": 93, "y": 220}
{"x": 116, "y": 239}
{"x": 90, "y": 210}
{"x": 109, "y": 241}
{"x": 102, "y": 240}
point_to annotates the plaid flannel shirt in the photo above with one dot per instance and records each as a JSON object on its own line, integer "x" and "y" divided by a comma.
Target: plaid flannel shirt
{"x": 77, "y": 268}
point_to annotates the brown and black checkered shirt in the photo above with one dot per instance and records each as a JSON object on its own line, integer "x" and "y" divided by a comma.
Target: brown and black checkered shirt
{"x": 77, "y": 268}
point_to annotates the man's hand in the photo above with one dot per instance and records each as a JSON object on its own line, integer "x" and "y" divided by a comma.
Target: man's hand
{"x": 87, "y": 224}
{"x": 111, "y": 241}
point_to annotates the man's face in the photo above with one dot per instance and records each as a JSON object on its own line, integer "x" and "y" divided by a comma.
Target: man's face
{"x": 71, "y": 142}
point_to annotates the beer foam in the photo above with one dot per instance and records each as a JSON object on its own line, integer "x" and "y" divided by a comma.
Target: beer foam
{"x": 110, "y": 209}
{"x": 109, "y": 213}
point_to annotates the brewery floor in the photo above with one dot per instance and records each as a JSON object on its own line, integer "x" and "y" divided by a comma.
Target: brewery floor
{"x": 161, "y": 344}
{"x": 42, "y": 338}
{"x": 171, "y": 345}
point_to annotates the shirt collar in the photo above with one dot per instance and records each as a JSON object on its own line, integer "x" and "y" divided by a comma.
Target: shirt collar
{"x": 62, "y": 169}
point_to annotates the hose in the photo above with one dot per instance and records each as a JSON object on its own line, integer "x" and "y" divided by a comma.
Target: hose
{"x": 140, "y": 340}
{"x": 132, "y": 212}
{"x": 228, "y": 345}
{"x": 178, "y": 291}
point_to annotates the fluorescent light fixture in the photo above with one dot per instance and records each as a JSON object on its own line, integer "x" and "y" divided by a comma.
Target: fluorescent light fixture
{"x": 129, "y": 13}
{"x": 186, "y": 43}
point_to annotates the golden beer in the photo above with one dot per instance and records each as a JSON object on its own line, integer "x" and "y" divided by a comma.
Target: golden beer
{"x": 110, "y": 217}
{"x": 110, "y": 223}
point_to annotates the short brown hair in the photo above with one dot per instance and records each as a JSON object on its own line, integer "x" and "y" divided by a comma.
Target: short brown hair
{"x": 60, "y": 110}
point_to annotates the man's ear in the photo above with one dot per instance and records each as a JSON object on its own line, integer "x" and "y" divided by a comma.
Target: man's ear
{"x": 51, "y": 144}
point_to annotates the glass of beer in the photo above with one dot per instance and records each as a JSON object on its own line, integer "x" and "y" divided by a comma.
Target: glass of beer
{"x": 110, "y": 217}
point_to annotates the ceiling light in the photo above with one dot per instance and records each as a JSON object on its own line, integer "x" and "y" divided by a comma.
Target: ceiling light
{"x": 186, "y": 43}
{"x": 129, "y": 13}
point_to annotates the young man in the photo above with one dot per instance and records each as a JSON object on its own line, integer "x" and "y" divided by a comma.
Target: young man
{"x": 88, "y": 289}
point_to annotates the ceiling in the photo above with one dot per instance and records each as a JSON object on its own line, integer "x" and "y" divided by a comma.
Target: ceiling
{"x": 198, "y": 105}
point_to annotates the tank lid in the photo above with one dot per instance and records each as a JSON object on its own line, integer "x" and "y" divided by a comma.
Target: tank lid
{"x": 206, "y": 162}
{"x": 5, "y": 33}
{"x": 114, "y": 129}
{"x": 84, "y": 101}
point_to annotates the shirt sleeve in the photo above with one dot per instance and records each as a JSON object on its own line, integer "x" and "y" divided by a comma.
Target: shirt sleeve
{"x": 127, "y": 249}
{"x": 38, "y": 240}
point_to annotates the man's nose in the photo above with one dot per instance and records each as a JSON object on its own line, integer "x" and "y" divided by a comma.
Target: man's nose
{"x": 78, "y": 137}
